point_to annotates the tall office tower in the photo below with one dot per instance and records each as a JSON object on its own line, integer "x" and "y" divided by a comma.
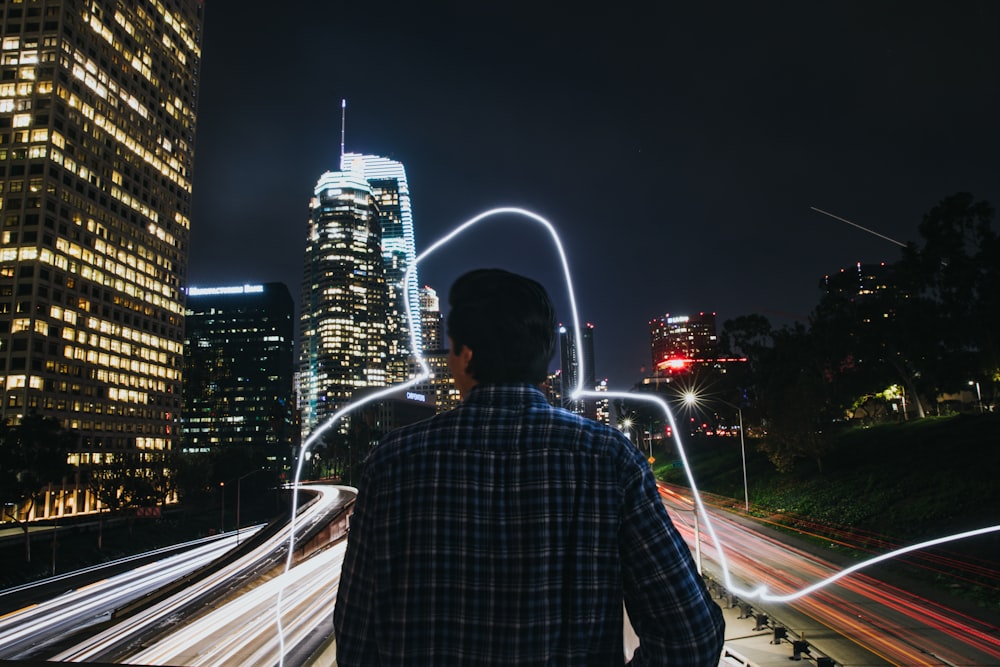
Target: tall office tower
{"x": 387, "y": 180}
{"x": 98, "y": 102}
{"x": 439, "y": 388}
{"x": 571, "y": 356}
{"x": 432, "y": 320}
{"x": 238, "y": 353}
{"x": 343, "y": 332}
{"x": 678, "y": 340}
{"x": 862, "y": 283}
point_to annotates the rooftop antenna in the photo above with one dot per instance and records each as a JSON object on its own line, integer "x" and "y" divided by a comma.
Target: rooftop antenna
{"x": 343, "y": 123}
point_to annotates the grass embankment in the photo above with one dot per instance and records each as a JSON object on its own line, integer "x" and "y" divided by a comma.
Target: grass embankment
{"x": 901, "y": 483}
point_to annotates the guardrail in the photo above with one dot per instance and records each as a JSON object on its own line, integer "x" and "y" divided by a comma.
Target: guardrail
{"x": 764, "y": 620}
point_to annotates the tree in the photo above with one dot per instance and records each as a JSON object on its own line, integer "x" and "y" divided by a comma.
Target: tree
{"x": 122, "y": 480}
{"x": 796, "y": 400}
{"x": 956, "y": 277}
{"x": 33, "y": 454}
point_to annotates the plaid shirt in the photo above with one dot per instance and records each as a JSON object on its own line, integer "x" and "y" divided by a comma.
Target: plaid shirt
{"x": 508, "y": 532}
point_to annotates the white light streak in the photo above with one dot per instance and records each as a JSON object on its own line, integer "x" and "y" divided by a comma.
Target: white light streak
{"x": 854, "y": 224}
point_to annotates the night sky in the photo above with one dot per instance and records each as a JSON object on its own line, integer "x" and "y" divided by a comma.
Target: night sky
{"x": 678, "y": 147}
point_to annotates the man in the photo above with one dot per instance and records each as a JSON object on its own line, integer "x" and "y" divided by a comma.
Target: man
{"x": 508, "y": 532}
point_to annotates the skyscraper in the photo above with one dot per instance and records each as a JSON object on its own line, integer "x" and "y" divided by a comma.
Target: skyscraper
{"x": 571, "y": 357}
{"x": 431, "y": 320}
{"x": 387, "y": 180}
{"x": 238, "y": 352}
{"x": 98, "y": 103}
{"x": 343, "y": 342}
{"x": 440, "y": 386}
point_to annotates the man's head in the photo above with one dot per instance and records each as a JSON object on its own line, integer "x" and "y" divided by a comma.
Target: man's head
{"x": 504, "y": 324}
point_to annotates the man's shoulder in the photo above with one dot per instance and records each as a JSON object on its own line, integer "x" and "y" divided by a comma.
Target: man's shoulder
{"x": 479, "y": 421}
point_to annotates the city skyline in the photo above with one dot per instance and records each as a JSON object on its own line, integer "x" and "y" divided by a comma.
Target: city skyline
{"x": 678, "y": 150}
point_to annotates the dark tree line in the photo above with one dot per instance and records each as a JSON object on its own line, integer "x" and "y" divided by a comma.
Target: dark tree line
{"x": 929, "y": 329}
{"x": 33, "y": 454}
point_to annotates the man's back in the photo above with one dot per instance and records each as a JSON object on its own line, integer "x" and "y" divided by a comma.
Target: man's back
{"x": 510, "y": 532}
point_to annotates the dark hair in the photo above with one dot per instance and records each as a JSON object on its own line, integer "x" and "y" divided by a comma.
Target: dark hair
{"x": 507, "y": 321}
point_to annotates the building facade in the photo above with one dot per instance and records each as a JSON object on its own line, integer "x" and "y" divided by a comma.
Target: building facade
{"x": 343, "y": 341}
{"x": 676, "y": 341}
{"x": 862, "y": 281}
{"x": 432, "y": 321}
{"x": 98, "y": 107}
{"x": 238, "y": 368}
{"x": 576, "y": 363}
{"x": 389, "y": 189}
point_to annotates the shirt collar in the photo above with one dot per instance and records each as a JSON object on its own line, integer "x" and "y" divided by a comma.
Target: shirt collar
{"x": 504, "y": 395}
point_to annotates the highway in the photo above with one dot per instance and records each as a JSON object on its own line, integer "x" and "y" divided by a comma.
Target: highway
{"x": 244, "y": 631}
{"x": 132, "y": 634}
{"x": 897, "y": 626}
{"x": 857, "y": 620}
{"x": 26, "y": 632}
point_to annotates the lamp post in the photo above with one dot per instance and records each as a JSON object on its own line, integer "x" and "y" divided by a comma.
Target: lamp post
{"x": 222, "y": 512}
{"x": 979, "y": 396}
{"x": 691, "y": 398}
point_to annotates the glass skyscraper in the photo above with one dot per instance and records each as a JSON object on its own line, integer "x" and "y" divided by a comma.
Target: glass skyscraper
{"x": 98, "y": 102}
{"x": 387, "y": 179}
{"x": 571, "y": 356}
{"x": 343, "y": 342}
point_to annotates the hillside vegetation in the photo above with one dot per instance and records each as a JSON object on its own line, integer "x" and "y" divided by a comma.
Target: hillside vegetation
{"x": 901, "y": 483}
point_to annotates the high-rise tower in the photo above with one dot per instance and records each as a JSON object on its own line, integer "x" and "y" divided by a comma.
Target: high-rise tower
{"x": 98, "y": 102}
{"x": 571, "y": 355}
{"x": 343, "y": 325}
{"x": 238, "y": 369}
{"x": 387, "y": 180}
{"x": 432, "y": 320}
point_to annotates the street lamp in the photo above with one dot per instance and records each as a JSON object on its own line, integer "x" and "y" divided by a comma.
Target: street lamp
{"x": 691, "y": 398}
{"x": 222, "y": 513}
{"x": 979, "y": 396}
{"x": 626, "y": 427}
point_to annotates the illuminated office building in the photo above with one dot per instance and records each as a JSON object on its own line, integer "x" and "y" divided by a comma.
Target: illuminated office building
{"x": 676, "y": 340}
{"x": 238, "y": 353}
{"x": 387, "y": 180}
{"x": 98, "y": 102}
{"x": 440, "y": 387}
{"x": 862, "y": 282}
{"x": 572, "y": 357}
{"x": 432, "y": 320}
{"x": 343, "y": 341}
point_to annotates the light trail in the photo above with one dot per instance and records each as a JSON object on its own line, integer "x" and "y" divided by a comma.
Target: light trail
{"x": 761, "y": 592}
{"x": 38, "y": 625}
{"x": 99, "y": 646}
{"x": 864, "y": 229}
{"x": 231, "y": 635}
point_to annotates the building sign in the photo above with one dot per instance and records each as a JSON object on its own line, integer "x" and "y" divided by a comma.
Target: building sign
{"x": 216, "y": 291}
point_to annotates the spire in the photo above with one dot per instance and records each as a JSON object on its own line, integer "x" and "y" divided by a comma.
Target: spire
{"x": 343, "y": 122}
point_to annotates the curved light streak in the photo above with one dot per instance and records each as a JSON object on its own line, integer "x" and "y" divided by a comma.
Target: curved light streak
{"x": 760, "y": 593}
